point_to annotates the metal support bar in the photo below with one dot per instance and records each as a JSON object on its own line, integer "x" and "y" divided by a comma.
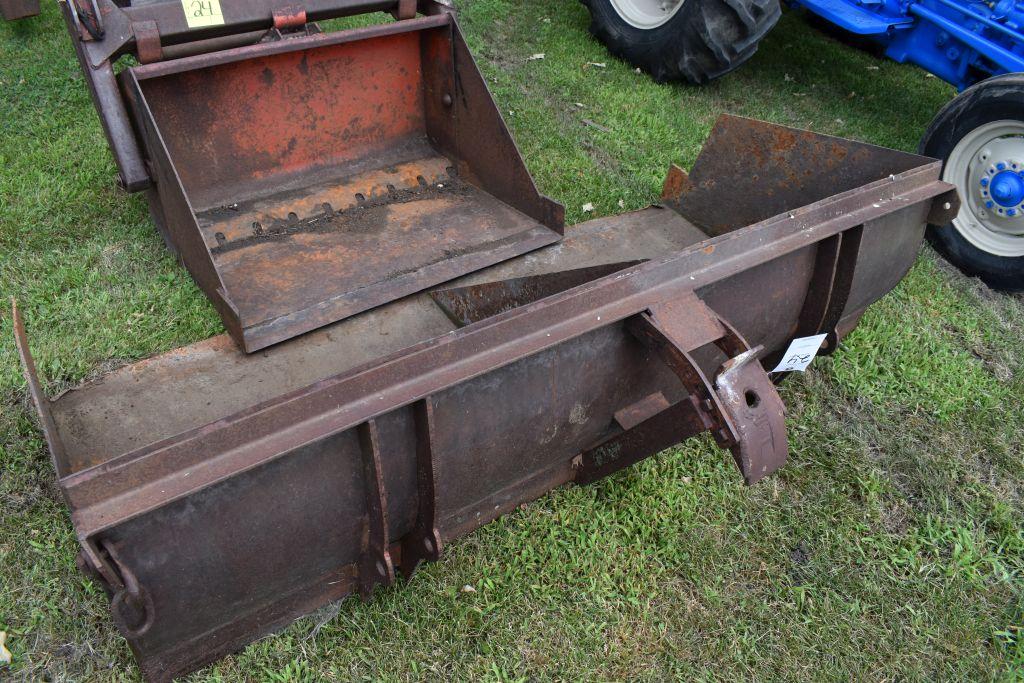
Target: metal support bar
{"x": 375, "y": 565}
{"x": 132, "y": 173}
{"x": 839, "y": 290}
{"x": 674, "y": 329}
{"x": 831, "y": 281}
{"x": 660, "y": 431}
{"x": 997, "y": 53}
{"x": 820, "y": 292}
{"x": 969, "y": 13}
{"x": 423, "y": 543}
{"x": 58, "y": 454}
{"x": 241, "y": 16}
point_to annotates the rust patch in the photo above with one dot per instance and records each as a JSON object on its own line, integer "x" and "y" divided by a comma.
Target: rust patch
{"x": 368, "y": 215}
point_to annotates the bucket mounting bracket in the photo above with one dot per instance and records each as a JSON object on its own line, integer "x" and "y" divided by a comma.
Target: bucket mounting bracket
{"x": 375, "y": 564}
{"x": 423, "y": 543}
{"x": 130, "y": 604}
{"x": 741, "y": 407}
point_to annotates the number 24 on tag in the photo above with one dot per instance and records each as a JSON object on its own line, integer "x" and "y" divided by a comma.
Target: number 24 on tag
{"x": 800, "y": 353}
{"x": 202, "y": 13}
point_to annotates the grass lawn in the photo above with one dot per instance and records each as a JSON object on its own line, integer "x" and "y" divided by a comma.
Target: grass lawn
{"x": 890, "y": 548}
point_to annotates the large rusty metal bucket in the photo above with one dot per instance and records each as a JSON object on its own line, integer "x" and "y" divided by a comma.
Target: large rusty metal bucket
{"x": 310, "y": 178}
{"x": 287, "y": 479}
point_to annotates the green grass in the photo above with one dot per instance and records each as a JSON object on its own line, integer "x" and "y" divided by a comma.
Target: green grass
{"x": 890, "y": 548}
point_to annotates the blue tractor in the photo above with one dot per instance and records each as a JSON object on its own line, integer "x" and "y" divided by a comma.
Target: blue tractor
{"x": 977, "y": 46}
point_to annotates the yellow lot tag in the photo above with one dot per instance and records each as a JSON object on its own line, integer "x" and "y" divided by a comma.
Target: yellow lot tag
{"x": 202, "y": 13}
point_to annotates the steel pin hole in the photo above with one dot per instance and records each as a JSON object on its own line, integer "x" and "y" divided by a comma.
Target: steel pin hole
{"x": 752, "y": 399}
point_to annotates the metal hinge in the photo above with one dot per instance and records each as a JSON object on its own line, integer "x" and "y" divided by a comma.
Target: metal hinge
{"x": 130, "y": 605}
{"x": 147, "y": 42}
{"x": 290, "y": 22}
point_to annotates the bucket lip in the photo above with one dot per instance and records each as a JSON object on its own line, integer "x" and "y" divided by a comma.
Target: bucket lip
{"x": 201, "y": 61}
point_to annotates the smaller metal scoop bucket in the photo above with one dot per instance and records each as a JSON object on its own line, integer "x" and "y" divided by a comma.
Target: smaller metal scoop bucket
{"x": 308, "y": 179}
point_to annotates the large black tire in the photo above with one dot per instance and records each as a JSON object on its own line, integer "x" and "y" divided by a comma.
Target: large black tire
{"x": 704, "y": 40}
{"x": 996, "y": 99}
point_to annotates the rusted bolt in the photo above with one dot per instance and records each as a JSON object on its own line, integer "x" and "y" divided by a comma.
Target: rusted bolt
{"x": 446, "y": 100}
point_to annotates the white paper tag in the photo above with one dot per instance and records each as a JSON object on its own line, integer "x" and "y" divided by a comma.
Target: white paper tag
{"x": 199, "y": 13}
{"x": 800, "y": 353}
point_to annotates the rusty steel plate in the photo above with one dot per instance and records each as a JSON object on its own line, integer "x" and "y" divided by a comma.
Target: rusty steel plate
{"x": 18, "y": 9}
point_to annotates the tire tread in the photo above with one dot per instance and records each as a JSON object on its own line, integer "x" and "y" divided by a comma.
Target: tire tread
{"x": 708, "y": 39}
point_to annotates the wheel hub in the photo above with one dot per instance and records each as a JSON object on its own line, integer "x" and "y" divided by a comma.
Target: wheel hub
{"x": 1002, "y": 189}
{"x": 987, "y": 166}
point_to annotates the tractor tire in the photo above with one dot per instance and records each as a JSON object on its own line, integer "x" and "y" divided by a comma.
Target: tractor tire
{"x": 698, "y": 41}
{"x": 979, "y": 137}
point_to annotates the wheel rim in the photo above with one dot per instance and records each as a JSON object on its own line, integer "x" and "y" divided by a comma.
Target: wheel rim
{"x": 987, "y": 167}
{"x": 646, "y": 14}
